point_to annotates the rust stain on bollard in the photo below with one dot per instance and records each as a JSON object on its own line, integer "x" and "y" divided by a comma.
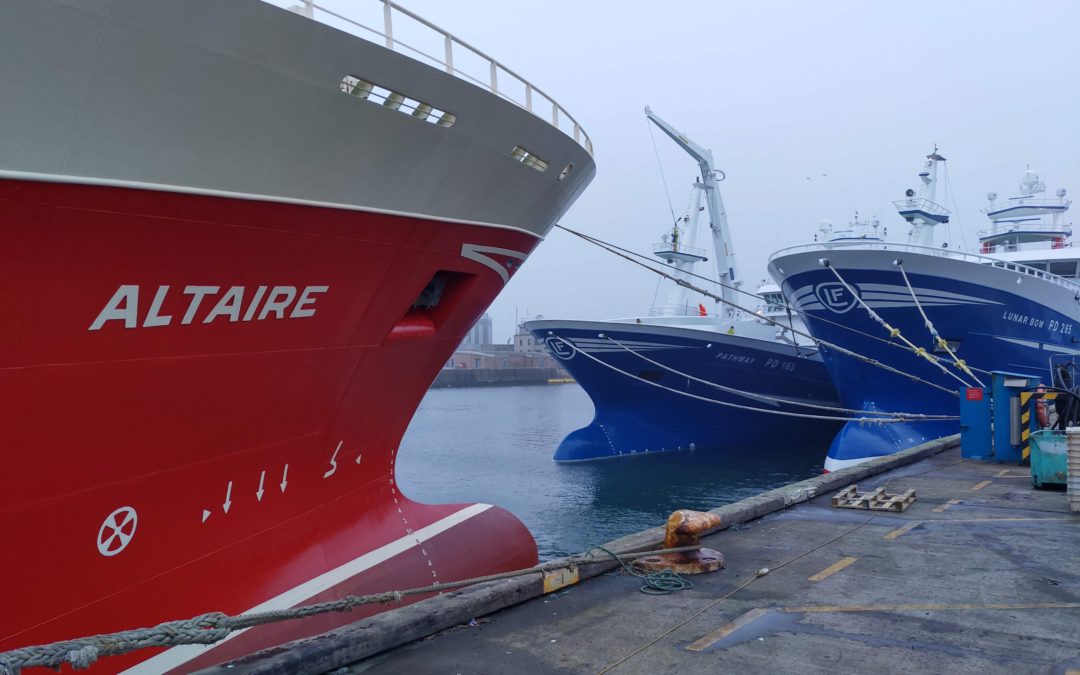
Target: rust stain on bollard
{"x": 684, "y": 528}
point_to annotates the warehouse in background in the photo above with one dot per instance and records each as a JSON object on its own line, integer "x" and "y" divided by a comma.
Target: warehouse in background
{"x": 479, "y": 363}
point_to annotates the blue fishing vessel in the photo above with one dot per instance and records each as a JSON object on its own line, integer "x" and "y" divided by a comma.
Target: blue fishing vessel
{"x": 940, "y": 317}
{"x": 685, "y": 379}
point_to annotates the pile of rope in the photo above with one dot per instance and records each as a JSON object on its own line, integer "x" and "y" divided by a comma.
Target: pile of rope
{"x": 656, "y": 583}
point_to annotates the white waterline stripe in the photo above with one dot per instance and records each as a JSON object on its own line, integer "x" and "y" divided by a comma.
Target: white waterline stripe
{"x": 178, "y": 656}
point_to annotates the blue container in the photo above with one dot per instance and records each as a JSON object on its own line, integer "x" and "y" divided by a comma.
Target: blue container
{"x": 1049, "y": 458}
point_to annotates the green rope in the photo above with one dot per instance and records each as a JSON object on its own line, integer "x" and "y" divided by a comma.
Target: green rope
{"x": 656, "y": 583}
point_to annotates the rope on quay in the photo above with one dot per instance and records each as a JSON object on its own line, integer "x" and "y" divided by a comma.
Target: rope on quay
{"x": 206, "y": 629}
{"x": 757, "y": 575}
{"x": 817, "y": 341}
{"x": 612, "y": 248}
{"x": 656, "y": 583}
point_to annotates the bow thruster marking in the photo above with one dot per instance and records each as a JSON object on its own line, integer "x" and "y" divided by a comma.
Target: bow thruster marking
{"x": 333, "y": 461}
{"x": 117, "y": 531}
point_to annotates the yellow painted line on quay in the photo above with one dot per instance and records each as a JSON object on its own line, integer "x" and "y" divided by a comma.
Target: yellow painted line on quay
{"x": 703, "y": 643}
{"x": 979, "y": 486}
{"x": 946, "y": 506}
{"x": 709, "y": 640}
{"x": 1005, "y": 473}
{"x": 901, "y": 530}
{"x": 833, "y": 569}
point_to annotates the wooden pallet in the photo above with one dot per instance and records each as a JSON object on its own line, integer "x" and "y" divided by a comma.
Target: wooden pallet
{"x": 878, "y": 500}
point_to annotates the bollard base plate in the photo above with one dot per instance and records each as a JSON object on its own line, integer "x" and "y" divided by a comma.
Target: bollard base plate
{"x": 695, "y": 562}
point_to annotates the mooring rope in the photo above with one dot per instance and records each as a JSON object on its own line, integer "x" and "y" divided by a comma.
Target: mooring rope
{"x": 960, "y": 363}
{"x": 667, "y": 192}
{"x": 892, "y": 330}
{"x": 770, "y": 399}
{"x": 739, "y": 406}
{"x": 206, "y": 629}
{"x": 817, "y": 341}
{"x": 615, "y": 249}
{"x": 663, "y": 582}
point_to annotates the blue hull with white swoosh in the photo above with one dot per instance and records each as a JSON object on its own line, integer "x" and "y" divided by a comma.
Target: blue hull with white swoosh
{"x": 995, "y": 315}
{"x": 643, "y": 405}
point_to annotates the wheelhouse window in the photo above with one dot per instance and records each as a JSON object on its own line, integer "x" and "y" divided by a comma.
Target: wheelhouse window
{"x": 1062, "y": 268}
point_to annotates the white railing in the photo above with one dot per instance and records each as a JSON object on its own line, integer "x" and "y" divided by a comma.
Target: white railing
{"x": 682, "y": 249}
{"x": 936, "y": 252}
{"x": 673, "y": 312}
{"x": 999, "y": 229}
{"x": 1028, "y": 202}
{"x": 920, "y": 204}
{"x": 533, "y": 99}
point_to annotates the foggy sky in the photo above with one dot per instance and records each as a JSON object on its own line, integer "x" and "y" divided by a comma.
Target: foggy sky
{"x": 812, "y": 109}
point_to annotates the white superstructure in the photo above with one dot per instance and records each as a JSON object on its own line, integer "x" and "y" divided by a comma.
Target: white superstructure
{"x": 1031, "y": 229}
{"x": 919, "y": 208}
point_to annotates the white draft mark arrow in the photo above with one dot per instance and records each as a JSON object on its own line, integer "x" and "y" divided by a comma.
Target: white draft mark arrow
{"x": 333, "y": 461}
{"x": 259, "y": 492}
{"x": 205, "y": 515}
{"x": 359, "y": 456}
{"x": 285, "y": 478}
{"x": 228, "y": 498}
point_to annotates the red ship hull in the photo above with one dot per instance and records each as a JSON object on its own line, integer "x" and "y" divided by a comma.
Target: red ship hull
{"x": 177, "y": 441}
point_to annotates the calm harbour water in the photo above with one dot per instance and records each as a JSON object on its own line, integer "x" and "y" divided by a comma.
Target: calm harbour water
{"x": 494, "y": 445}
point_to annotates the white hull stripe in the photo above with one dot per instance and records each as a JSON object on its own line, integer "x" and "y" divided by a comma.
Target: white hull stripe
{"x": 592, "y": 344}
{"x": 476, "y": 253}
{"x": 1035, "y": 344}
{"x": 178, "y": 656}
{"x": 180, "y": 189}
{"x": 877, "y": 304}
{"x": 886, "y": 295}
{"x": 807, "y": 300}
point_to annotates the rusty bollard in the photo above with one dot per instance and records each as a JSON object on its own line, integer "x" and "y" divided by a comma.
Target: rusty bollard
{"x": 684, "y": 528}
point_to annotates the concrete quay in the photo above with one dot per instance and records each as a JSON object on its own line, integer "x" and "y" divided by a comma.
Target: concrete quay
{"x": 978, "y": 575}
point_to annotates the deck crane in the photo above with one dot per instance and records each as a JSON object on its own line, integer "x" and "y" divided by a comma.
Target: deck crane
{"x": 725, "y": 252}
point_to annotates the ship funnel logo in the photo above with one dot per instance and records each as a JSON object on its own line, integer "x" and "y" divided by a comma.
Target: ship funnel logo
{"x": 561, "y": 347}
{"x": 836, "y": 297}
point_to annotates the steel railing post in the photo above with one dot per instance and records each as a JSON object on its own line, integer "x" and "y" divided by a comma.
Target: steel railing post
{"x": 388, "y": 24}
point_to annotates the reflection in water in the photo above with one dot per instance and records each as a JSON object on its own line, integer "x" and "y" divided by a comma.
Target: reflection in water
{"x": 494, "y": 445}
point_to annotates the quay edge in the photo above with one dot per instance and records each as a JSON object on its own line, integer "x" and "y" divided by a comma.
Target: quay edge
{"x": 394, "y": 628}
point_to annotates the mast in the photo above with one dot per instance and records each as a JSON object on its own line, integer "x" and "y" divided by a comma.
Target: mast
{"x": 679, "y": 249}
{"x": 725, "y": 252}
{"x": 922, "y": 211}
